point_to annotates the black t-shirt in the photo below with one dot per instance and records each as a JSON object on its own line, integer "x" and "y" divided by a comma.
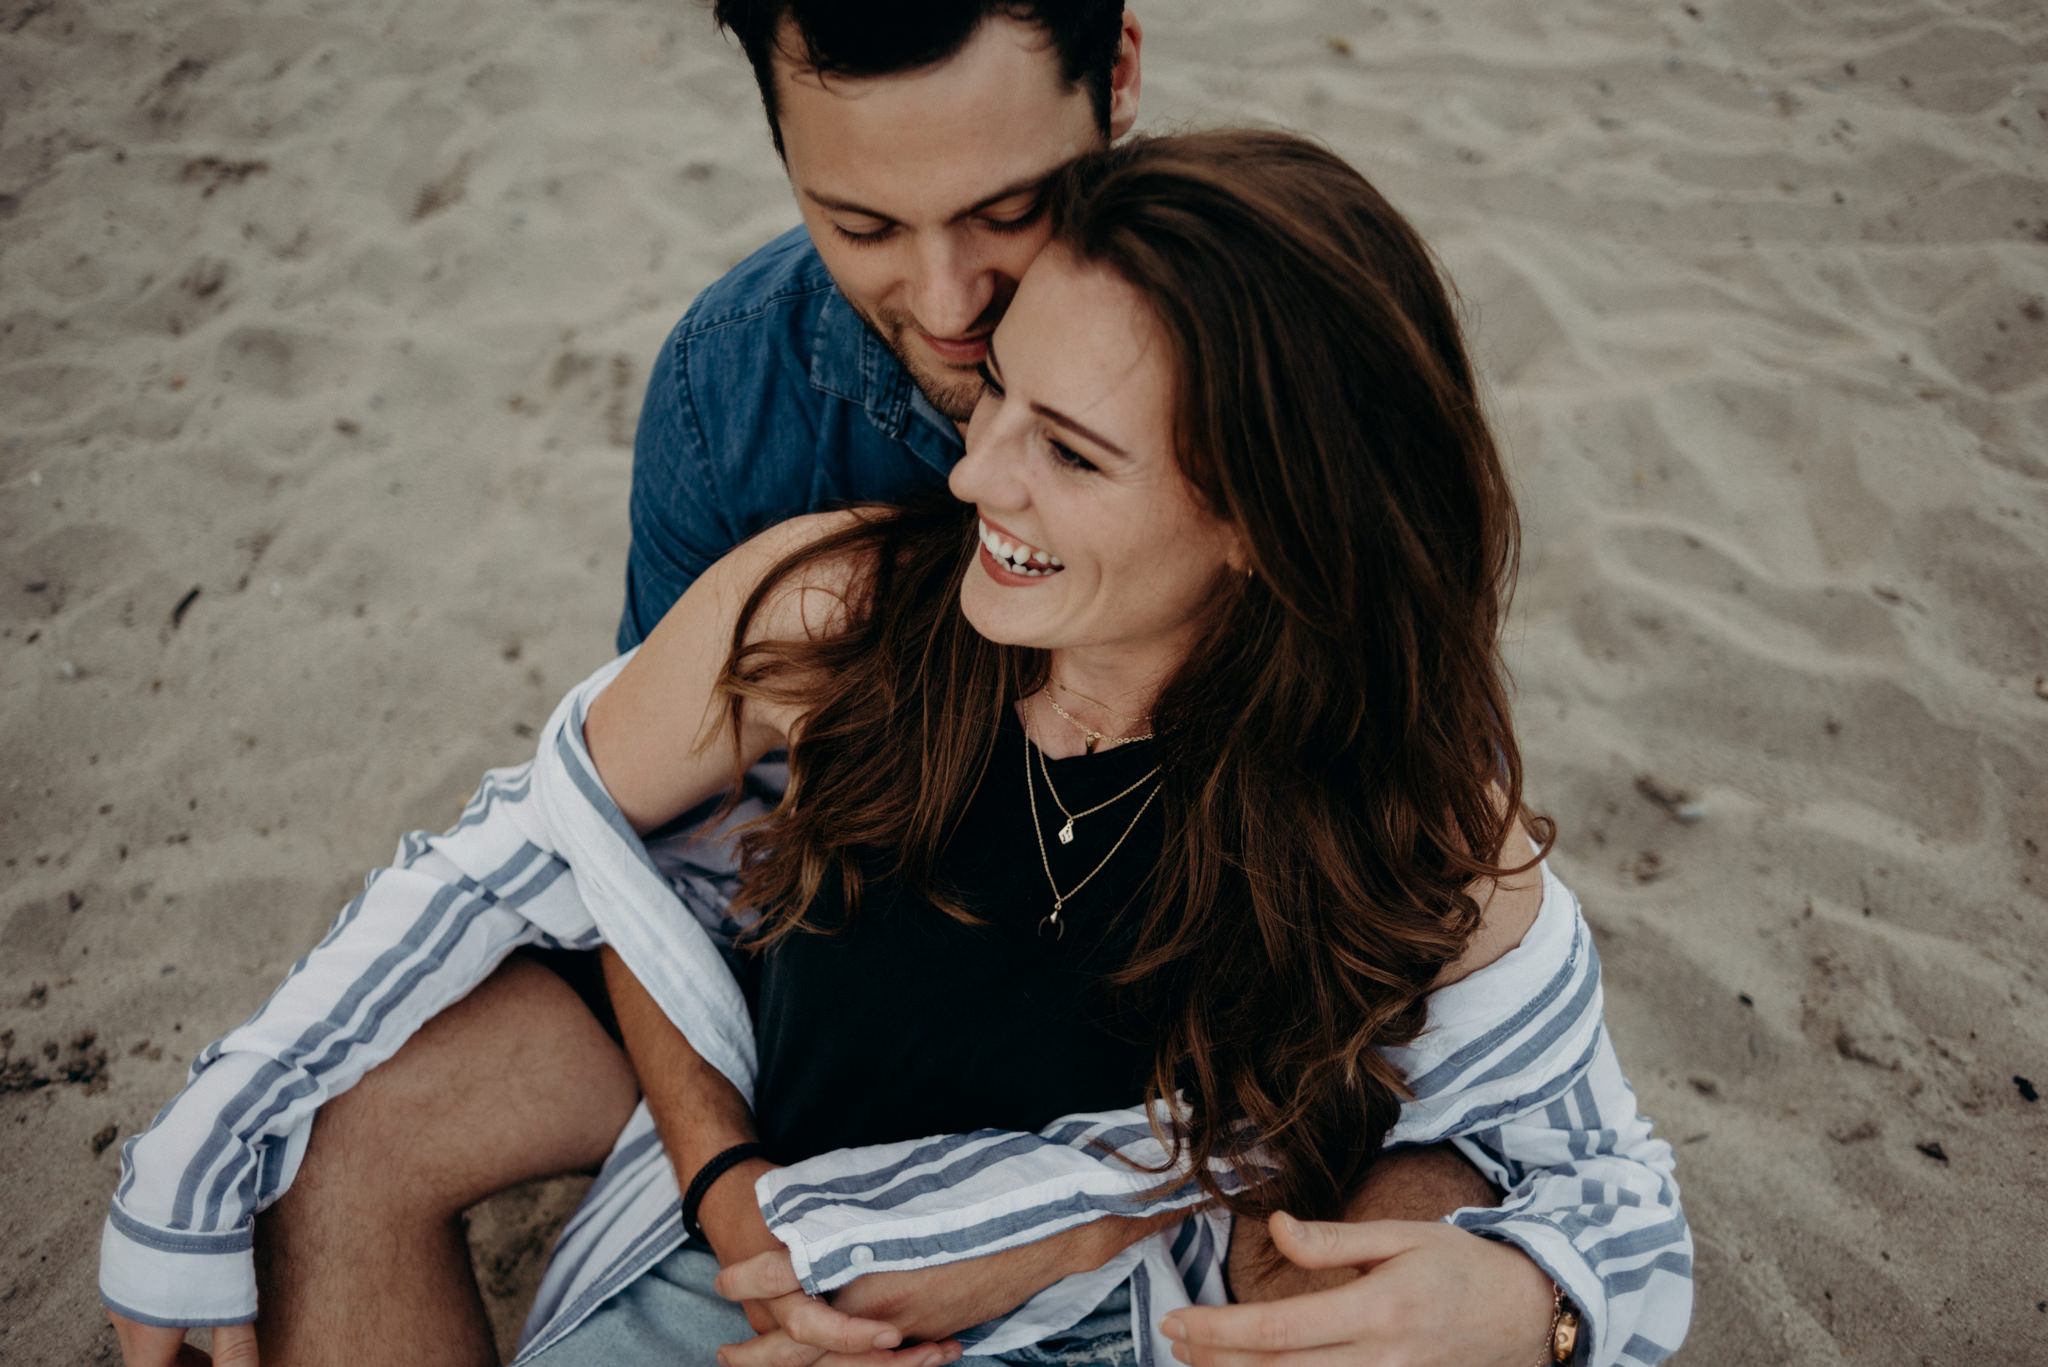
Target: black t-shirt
{"x": 908, "y": 1023}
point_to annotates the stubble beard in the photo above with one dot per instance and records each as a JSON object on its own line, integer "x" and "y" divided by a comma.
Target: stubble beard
{"x": 952, "y": 391}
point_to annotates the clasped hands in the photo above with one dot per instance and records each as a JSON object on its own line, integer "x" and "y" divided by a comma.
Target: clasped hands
{"x": 1391, "y": 1293}
{"x": 892, "y": 1319}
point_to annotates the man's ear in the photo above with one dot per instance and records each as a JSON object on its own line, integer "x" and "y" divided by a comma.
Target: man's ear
{"x": 1125, "y": 78}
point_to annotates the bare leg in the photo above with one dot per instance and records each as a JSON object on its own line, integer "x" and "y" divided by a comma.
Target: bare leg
{"x": 1411, "y": 1184}
{"x": 364, "y": 1260}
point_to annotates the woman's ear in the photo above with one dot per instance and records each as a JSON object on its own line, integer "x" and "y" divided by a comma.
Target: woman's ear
{"x": 1237, "y": 553}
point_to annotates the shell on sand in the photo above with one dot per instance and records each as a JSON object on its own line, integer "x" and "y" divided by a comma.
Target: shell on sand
{"x": 339, "y": 316}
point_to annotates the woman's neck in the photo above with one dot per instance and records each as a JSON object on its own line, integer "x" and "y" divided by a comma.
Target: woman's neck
{"x": 1092, "y": 702}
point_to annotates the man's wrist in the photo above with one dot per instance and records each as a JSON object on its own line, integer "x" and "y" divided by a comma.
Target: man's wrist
{"x": 730, "y": 1216}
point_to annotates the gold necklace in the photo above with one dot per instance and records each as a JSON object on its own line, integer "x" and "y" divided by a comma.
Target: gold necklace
{"x": 1120, "y": 716}
{"x": 1066, "y": 832}
{"x": 1089, "y": 735}
{"x": 1059, "y": 899}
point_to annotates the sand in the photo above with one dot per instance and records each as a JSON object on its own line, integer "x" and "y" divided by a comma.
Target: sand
{"x": 322, "y": 334}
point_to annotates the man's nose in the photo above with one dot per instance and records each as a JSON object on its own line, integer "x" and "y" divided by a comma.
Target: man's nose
{"x": 952, "y": 288}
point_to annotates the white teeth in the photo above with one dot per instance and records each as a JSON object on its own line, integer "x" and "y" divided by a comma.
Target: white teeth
{"x": 1017, "y": 557}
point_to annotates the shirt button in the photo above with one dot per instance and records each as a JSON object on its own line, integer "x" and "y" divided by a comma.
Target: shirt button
{"x": 861, "y": 1255}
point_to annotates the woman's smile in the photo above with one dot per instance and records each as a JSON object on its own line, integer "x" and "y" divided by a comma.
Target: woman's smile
{"x": 1009, "y": 554}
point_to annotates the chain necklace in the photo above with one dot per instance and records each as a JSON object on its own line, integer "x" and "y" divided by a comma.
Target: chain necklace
{"x": 1052, "y": 924}
{"x": 1066, "y": 832}
{"x": 1120, "y": 716}
{"x": 1089, "y": 735}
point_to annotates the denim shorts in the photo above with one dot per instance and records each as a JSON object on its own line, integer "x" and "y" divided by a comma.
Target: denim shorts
{"x": 670, "y": 1317}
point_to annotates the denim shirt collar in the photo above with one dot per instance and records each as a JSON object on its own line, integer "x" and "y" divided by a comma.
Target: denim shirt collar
{"x": 850, "y": 362}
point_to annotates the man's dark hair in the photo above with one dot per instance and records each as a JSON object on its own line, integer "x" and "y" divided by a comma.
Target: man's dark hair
{"x": 882, "y": 37}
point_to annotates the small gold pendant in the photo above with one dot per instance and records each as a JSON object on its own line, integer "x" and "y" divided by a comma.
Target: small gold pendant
{"x": 1088, "y": 743}
{"x": 1067, "y": 832}
{"x": 1052, "y": 927}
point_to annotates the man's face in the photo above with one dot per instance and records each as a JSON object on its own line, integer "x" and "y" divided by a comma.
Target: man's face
{"x": 921, "y": 189}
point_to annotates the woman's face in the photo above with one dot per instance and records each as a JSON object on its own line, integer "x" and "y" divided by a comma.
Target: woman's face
{"x": 1091, "y": 538}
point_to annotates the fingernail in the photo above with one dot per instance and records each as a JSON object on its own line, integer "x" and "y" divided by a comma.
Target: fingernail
{"x": 888, "y": 1339}
{"x": 1282, "y": 1220}
{"x": 1172, "y": 1327}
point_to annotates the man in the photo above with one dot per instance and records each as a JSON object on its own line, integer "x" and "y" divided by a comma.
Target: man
{"x": 833, "y": 364}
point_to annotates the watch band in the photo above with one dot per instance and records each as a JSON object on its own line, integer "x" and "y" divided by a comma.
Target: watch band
{"x": 709, "y": 1173}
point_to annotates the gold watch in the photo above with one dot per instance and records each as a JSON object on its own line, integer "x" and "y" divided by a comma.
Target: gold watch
{"x": 1564, "y": 1330}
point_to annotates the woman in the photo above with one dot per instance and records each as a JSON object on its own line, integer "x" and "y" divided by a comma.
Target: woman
{"x": 1174, "y": 757}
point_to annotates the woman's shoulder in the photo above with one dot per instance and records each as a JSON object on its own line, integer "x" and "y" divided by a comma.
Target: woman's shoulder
{"x": 808, "y": 579}
{"x": 1508, "y": 906}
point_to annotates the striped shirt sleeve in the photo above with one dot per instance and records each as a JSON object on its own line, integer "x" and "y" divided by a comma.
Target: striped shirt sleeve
{"x": 177, "y": 1245}
{"x": 1590, "y": 1198}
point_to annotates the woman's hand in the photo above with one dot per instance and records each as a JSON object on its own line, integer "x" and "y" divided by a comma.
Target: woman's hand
{"x": 156, "y": 1345}
{"x": 806, "y": 1330}
{"x": 1431, "y": 1295}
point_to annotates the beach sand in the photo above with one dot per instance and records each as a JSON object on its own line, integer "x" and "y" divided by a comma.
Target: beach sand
{"x": 323, "y": 329}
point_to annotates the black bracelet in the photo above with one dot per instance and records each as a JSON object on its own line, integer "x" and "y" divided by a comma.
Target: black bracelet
{"x": 709, "y": 1173}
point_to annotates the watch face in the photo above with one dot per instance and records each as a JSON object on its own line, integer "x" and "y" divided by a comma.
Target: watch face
{"x": 1564, "y": 1340}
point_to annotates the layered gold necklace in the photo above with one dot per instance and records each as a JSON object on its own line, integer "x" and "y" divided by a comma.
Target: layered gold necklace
{"x": 1051, "y": 924}
{"x": 1090, "y": 737}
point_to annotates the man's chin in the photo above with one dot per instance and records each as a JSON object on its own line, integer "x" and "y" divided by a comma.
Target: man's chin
{"x": 955, "y": 402}
{"x": 953, "y": 390}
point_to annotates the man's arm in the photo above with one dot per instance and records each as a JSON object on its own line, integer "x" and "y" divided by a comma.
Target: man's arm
{"x": 675, "y": 510}
{"x": 1420, "y": 1184}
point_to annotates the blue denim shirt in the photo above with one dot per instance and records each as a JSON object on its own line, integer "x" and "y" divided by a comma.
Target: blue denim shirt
{"x": 770, "y": 398}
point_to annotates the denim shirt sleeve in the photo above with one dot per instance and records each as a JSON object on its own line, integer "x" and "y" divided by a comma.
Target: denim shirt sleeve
{"x": 770, "y": 398}
{"x": 677, "y": 515}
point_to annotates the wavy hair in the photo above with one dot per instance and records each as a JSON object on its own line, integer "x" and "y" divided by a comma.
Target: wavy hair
{"x": 1339, "y": 764}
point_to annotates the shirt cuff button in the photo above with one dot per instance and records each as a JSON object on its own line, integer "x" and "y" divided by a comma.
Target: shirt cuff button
{"x": 861, "y": 1255}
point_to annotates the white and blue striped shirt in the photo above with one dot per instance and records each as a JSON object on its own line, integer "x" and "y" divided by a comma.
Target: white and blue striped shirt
{"x": 1514, "y": 1067}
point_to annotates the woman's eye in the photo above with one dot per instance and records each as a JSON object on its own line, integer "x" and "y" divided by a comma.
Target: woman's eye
{"x": 1069, "y": 457}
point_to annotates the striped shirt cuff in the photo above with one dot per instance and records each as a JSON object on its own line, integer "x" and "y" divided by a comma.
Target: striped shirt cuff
{"x": 176, "y": 1277}
{"x": 1553, "y": 1251}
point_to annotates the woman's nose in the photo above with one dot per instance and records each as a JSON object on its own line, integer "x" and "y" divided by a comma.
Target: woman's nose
{"x": 989, "y": 473}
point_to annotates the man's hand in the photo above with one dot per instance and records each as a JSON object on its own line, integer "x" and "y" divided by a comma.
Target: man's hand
{"x": 1431, "y": 1295}
{"x": 153, "y": 1345}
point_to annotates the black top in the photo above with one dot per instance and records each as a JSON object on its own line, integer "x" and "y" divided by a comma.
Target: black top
{"x": 908, "y": 1023}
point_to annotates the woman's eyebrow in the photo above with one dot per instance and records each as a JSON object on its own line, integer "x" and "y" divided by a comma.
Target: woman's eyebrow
{"x": 995, "y": 368}
{"x": 1054, "y": 415}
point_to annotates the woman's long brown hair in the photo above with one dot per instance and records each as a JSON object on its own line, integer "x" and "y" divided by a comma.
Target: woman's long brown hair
{"x": 1339, "y": 765}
